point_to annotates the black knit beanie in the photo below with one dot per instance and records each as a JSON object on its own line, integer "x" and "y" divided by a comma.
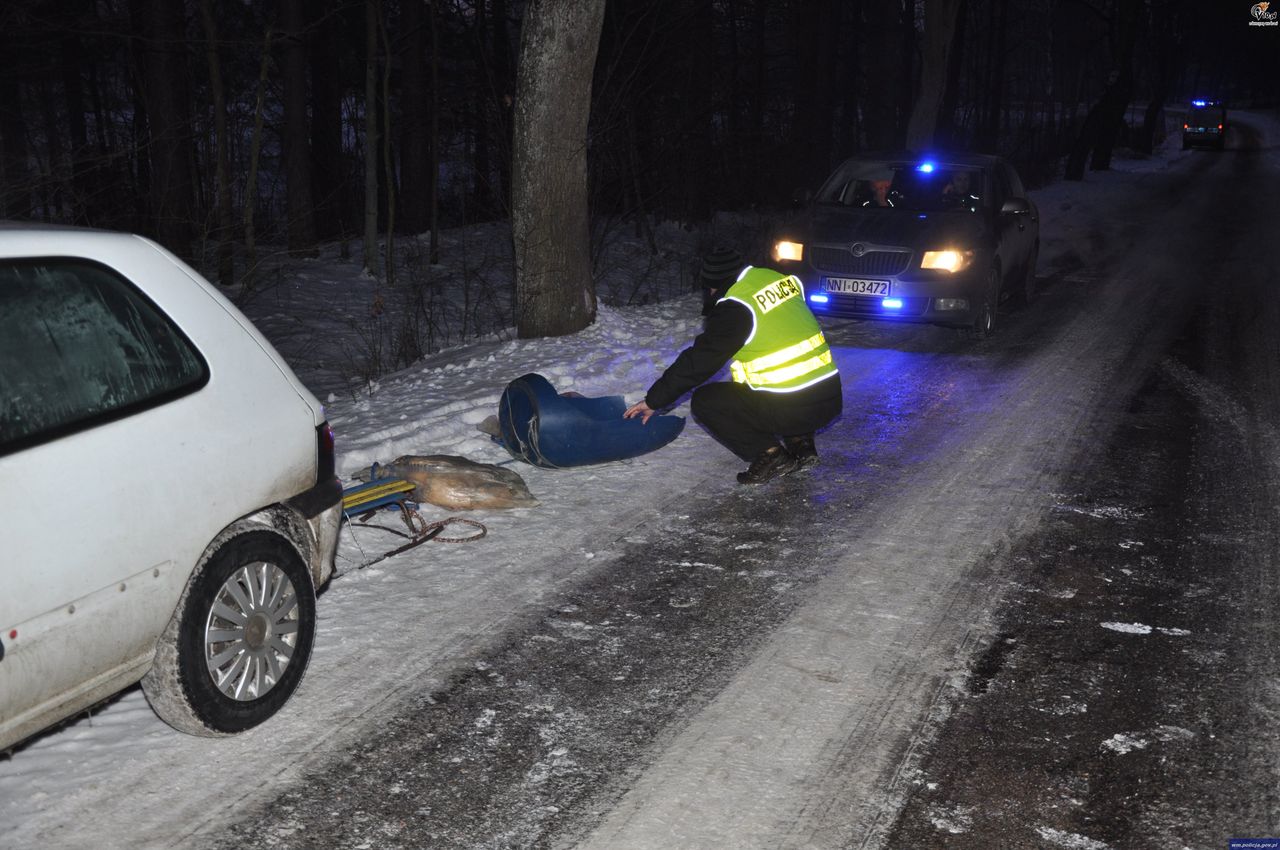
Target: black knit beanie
{"x": 720, "y": 268}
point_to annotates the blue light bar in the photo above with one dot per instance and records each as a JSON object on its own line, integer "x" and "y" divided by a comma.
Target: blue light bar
{"x": 1197, "y": 103}
{"x": 925, "y": 167}
{"x": 819, "y": 298}
{"x": 891, "y": 303}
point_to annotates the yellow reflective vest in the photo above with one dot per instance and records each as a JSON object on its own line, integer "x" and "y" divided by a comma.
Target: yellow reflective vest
{"x": 786, "y": 350}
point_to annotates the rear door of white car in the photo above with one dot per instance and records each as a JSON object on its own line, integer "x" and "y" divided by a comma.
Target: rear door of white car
{"x": 134, "y": 425}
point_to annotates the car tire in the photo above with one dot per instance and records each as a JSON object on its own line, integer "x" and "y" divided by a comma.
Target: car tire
{"x": 984, "y": 323}
{"x": 239, "y": 640}
{"x": 1027, "y": 292}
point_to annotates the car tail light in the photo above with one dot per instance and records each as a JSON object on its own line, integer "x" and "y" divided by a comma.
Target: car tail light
{"x": 1219, "y": 126}
{"x": 326, "y": 465}
{"x": 1186, "y": 126}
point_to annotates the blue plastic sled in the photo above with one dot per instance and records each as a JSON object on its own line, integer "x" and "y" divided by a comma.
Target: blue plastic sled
{"x": 546, "y": 429}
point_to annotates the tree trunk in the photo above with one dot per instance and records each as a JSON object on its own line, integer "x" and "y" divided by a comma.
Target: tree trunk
{"x": 815, "y": 57}
{"x": 139, "y": 123}
{"x": 371, "y": 10}
{"x": 555, "y": 293}
{"x": 947, "y": 133}
{"x": 699, "y": 162}
{"x": 883, "y": 66}
{"x": 435, "y": 134}
{"x": 388, "y": 155}
{"x": 1128, "y": 15}
{"x": 167, "y": 96}
{"x": 331, "y": 185}
{"x": 84, "y": 166}
{"x": 988, "y": 136}
{"x": 296, "y": 143}
{"x": 15, "y": 178}
{"x": 481, "y": 181}
{"x": 1101, "y": 125}
{"x": 226, "y": 266}
{"x": 255, "y": 148}
{"x": 415, "y": 139}
{"x": 504, "y": 93}
{"x": 939, "y": 27}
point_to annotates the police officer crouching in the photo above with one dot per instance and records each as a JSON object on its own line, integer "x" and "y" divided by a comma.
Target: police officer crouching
{"x": 785, "y": 384}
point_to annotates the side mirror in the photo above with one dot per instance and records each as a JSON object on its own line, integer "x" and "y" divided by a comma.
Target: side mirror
{"x": 801, "y": 197}
{"x": 1016, "y": 205}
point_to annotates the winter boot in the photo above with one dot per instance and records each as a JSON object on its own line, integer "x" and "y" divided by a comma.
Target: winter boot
{"x": 802, "y": 449}
{"x": 770, "y": 463}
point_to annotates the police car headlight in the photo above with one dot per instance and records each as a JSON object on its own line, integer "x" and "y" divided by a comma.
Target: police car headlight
{"x": 948, "y": 261}
{"x": 784, "y": 250}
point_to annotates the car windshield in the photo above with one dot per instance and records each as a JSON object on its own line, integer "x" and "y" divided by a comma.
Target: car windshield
{"x": 909, "y": 186}
{"x": 1202, "y": 115}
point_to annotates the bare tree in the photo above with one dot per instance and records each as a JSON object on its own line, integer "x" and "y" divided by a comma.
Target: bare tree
{"x": 939, "y": 29}
{"x": 169, "y": 122}
{"x": 372, "y": 13}
{"x": 226, "y": 269}
{"x": 1102, "y": 124}
{"x": 884, "y": 67}
{"x": 555, "y": 294}
{"x": 415, "y": 128}
{"x": 255, "y": 150}
{"x": 331, "y": 179}
{"x": 297, "y": 143}
{"x": 15, "y": 179}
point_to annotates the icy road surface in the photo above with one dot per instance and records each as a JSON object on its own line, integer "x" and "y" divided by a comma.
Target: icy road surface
{"x": 864, "y": 591}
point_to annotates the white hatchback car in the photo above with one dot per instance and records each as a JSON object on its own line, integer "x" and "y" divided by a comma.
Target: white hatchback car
{"x": 168, "y": 503}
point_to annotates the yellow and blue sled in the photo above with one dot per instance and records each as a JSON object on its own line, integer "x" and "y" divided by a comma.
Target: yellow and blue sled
{"x": 375, "y": 494}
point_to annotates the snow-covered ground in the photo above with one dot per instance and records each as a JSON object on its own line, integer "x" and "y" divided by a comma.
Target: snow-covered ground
{"x": 407, "y": 623}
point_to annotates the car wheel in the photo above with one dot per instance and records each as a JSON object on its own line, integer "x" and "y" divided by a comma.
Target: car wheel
{"x": 1027, "y": 292}
{"x": 984, "y": 323}
{"x": 239, "y": 640}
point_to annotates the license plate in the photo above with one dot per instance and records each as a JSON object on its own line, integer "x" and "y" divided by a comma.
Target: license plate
{"x": 857, "y": 286}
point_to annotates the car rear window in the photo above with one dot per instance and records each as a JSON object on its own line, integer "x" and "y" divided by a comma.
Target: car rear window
{"x": 79, "y": 345}
{"x": 1207, "y": 114}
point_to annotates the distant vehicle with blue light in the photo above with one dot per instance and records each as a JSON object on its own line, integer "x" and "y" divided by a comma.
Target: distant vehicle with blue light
{"x": 1205, "y": 124}
{"x": 939, "y": 240}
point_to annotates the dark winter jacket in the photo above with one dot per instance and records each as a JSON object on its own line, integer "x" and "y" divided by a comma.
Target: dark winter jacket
{"x": 728, "y": 326}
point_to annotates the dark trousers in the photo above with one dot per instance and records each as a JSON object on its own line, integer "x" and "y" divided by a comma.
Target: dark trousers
{"x": 749, "y": 421}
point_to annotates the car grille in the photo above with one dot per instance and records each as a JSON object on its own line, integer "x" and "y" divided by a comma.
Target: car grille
{"x": 842, "y": 261}
{"x": 869, "y": 305}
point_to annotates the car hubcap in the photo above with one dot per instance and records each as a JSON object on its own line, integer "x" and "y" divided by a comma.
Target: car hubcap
{"x": 251, "y": 631}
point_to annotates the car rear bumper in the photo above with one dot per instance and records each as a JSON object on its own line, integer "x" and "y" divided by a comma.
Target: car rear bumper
{"x": 321, "y": 507}
{"x": 1212, "y": 136}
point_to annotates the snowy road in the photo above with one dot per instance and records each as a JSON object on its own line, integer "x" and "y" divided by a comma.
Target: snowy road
{"x": 669, "y": 660}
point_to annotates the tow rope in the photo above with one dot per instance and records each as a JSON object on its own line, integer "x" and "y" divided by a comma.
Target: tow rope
{"x": 420, "y": 530}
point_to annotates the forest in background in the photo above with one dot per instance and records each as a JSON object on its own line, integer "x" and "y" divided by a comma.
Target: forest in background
{"x": 218, "y": 126}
